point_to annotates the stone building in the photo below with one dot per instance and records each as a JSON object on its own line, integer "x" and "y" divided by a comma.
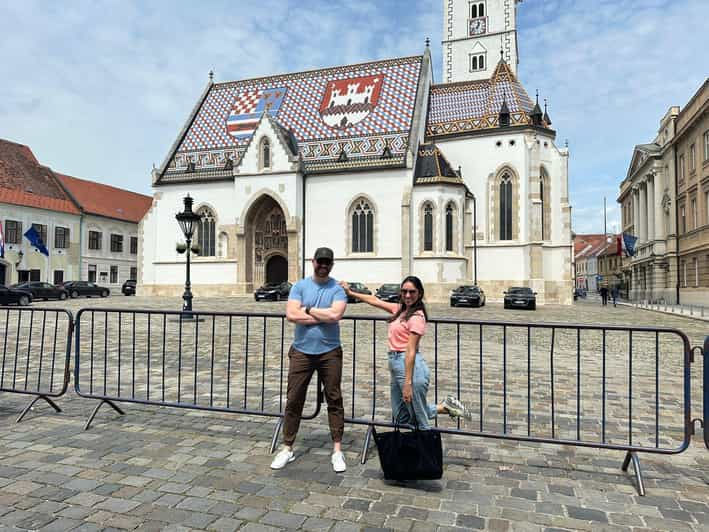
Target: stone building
{"x": 395, "y": 173}
{"x": 89, "y": 229}
{"x": 692, "y": 152}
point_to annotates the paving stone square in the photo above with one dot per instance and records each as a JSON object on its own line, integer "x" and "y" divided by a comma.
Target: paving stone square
{"x": 161, "y": 468}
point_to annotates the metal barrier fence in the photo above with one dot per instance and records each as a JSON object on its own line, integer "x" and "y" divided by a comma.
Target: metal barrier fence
{"x": 584, "y": 385}
{"x": 35, "y": 344}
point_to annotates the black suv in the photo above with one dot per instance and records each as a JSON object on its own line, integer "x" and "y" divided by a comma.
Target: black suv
{"x": 389, "y": 292}
{"x": 469, "y": 295}
{"x": 273, "y": 291}
{"x": 86, "y": 288}
{"x": 13, "y": 295}
{"x": 128, "y": 287}
{"x": 521, "y": 297}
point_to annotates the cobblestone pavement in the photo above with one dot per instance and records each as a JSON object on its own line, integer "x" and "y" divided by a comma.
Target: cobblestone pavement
{"x": 166, "y": 468}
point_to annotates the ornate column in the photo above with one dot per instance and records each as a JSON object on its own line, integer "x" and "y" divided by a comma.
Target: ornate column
{"x": 636, "y": 211}
{"x": 643, "y": 212}
{"x": 651, "y": 204}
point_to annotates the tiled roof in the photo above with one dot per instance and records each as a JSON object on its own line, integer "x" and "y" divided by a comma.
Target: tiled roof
{"x": 584, "y": 245}
{"x": 29, "y": 199}
{"x": 23, "y": 181}
{"x": 104, "y": 200}
{"x": 433, "y": 167}
{"x": 356, "y": 108}
{"x": 462, "y": 107}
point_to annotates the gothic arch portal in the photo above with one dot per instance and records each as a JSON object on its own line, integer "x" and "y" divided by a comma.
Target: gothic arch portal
{"x": 265, "y": 235}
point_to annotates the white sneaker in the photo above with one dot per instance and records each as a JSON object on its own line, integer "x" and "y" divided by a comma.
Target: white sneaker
{"x": 338, "y": 462}
{"x": 284, "y": 457}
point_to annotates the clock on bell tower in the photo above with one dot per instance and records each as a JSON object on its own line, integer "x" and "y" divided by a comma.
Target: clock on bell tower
{"x": 474, "y": 32}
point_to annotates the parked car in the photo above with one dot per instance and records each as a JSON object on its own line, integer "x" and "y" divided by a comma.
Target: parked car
{"x": 40, "y": 290}
{"x": 273, "y": 291}
{"x": 358, "y": 288}
{"x": 521, "y": 297}
{"x": 14, "y": 295}
{"x": 85, "y": 288}
{"x": 468, "y": 295}
{"x": 128, "y": 287}
{"x": 389, "y": 292}
{"x": 579, "y": 292}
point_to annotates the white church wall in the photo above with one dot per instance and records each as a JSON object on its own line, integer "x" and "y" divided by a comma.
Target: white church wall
{"x": 249, "y": 188}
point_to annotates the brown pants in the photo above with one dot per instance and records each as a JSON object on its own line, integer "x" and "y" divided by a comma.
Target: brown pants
{"x": 300, "y": 371}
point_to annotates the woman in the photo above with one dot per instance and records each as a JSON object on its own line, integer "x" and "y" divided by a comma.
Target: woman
{"x": 410, "y": 375}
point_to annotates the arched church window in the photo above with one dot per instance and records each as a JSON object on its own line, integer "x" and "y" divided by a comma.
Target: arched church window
{"x": 449, "y": 227}
{"x": 481, "y": 62}
{"x": 544, "y": 195}
{"x": 205, "y": 232}
{"x": 505, "y": 207}
{"x": 428, "y": 227}
{"x": 474, "y": 11}
{"x": 265, "y": 153}
{"x": 475, "y": 62}
{"x": 362, "y": 227}
{"x": 481, "y": 9}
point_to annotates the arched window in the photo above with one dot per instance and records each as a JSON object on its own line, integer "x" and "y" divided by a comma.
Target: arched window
{"x": 362, "y": 227}
{"x": 477, "y": 9}
{"x": 205, "y": 233}
{"x": 474, "y": 11}
{"x": 265, "y": 153}
{"x": 544, "y": 195}
{"x": 449, "y": 227}
{"x": 428, "y": 227}
{"x": 505, "y": 207}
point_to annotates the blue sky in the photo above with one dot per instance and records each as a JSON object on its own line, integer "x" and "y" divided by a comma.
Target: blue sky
{"x": 100, "y": 89}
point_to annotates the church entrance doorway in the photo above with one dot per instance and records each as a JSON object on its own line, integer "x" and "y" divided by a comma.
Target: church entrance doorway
{"x": 277, "y": 269}
{"x": 266, "y": 243}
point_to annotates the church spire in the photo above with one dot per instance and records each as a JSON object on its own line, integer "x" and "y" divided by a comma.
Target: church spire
{"x": 536, "y": 114}
{"x": 547, "y": 120}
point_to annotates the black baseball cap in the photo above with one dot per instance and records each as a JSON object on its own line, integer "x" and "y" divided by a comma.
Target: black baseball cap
{"x": 324, "y": 253}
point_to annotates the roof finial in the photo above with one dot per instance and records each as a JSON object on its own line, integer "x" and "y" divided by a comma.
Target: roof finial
{"x": 537, "y": 96}
{"x": 502, "y": 49}
{"x": 211, "y": 76}
{"x": 545, "y": 105}
{"x": 566, "y": 143}
{"x": 428, "y": 42}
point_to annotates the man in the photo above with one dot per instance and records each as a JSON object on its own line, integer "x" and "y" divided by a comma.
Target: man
{"x": 316, "y": 305}
{"x": 614, "y": 294}
{"x": 604, "y": 295}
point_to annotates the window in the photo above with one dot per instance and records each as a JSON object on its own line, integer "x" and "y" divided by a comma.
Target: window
{"x": 133, "y": 273}
{"x": 428, "y": 227}
{"x": 477, "y": 62}
{"x": 694, "y": 214}
{"x": 505, "y": 207}
{"x": 205, "y": 232}
{"x": 681, "y": 167}
{"x": 449, "y": 227}
{"x": 61, "y": 237}
{"x": 42, "y": 232}
{"x": 134, "y": 245}
{"x": 117, "y": 243}
{"x": 362, "y": 227}
{"x": 114, "y": 274}
{"x": 706, "y": 145}
{"x": 477, "y": 9}
{"x": 692, "y": 157}
{"x": 58, "y": 276}
{"x": 696, "y": 271}
{"x": 13, "y": 231}
{"x": 546, "y": 205}
{"x": 265, "y": 153}
{"x": 92, "y": 273}
{"x": 95, "y": 240}
{"x": 34, "y": 275}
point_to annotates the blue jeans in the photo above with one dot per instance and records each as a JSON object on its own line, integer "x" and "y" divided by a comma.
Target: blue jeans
{"x": 418, "y": 405}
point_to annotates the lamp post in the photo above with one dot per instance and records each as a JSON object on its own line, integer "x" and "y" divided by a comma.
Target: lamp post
{"x": 188, "y": 223}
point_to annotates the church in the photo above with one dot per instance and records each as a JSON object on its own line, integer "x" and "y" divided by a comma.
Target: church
{"x": 458, "y": 182}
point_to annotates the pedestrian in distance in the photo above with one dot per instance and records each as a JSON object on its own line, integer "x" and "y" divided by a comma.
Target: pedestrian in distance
{"x": 614, "y": 295}
{"x": 604, "y": 295}
{"x": 409, "y": 372}
{"x": 316, "y": 305}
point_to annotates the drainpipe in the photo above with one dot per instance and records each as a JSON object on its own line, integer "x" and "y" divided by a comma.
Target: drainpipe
{"x": 302, "y": 225}
{"x": 674, "y": 149}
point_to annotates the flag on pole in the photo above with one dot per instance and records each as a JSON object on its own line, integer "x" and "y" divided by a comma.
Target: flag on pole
{"x": 33, "y": 236}
{"x": 2, "y": 243}
{"x": 626, "y": 245}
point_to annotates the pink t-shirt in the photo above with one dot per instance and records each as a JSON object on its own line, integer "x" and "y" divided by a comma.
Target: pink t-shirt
{"x": 399, "y": 330}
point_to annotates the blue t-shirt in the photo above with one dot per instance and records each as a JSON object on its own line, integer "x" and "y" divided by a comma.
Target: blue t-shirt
{"x": 322, "y": 337}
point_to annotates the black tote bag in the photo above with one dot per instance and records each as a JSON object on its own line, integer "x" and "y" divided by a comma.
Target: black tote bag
{"x": 410, "y": 454}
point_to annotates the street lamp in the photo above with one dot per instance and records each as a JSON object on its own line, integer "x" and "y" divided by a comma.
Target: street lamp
{"x": 188, "y": 223}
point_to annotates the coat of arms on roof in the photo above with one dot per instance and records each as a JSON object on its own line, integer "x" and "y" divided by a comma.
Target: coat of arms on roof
{"x": 248, "y": 107}
{"x": 349, "y": 101}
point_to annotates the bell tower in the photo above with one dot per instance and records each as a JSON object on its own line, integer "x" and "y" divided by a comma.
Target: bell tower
{"x": 474, "y": 33}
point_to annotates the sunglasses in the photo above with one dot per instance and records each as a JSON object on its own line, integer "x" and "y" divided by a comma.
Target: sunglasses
{"x": 324, "y": 262}
{"x": 404, "y": 291}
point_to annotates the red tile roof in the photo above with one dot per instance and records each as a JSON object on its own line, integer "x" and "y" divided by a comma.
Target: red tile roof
{"x": 584, "y": 244}
{"x": 105, "y": 200}
{"x": 23, "y": 181}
